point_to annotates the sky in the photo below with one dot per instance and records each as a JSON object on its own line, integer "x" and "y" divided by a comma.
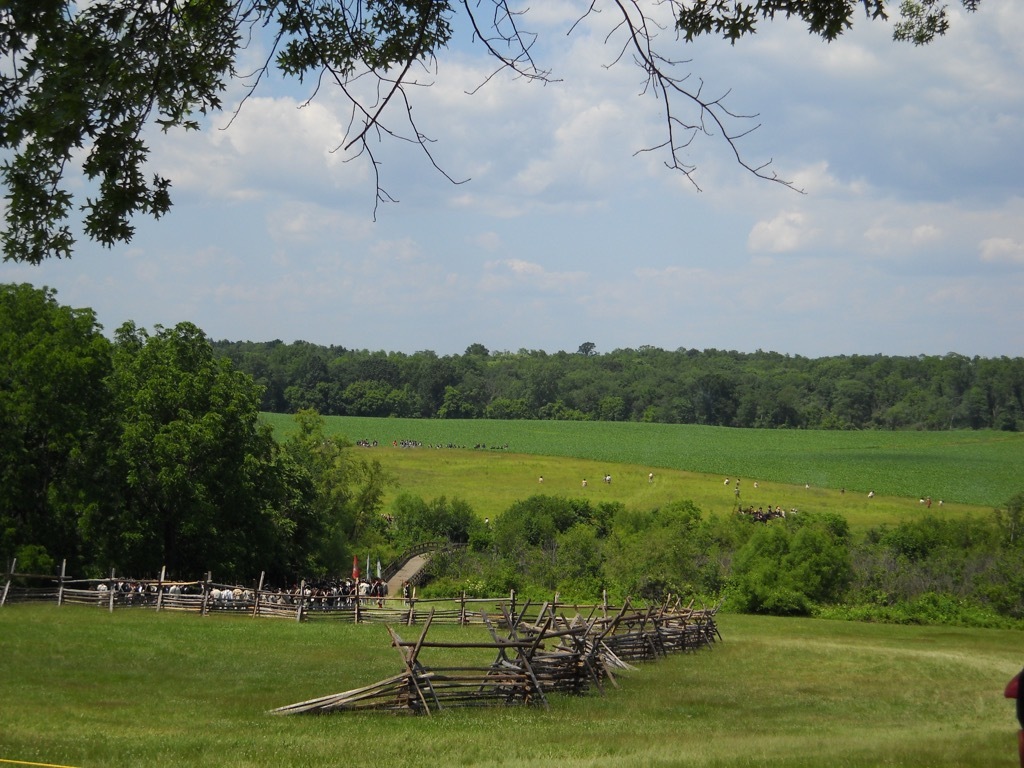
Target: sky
{"x": 906, "y": 239}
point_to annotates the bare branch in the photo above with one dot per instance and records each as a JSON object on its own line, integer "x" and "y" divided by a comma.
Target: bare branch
{"x": 508, "y": 36}
{"x": 712, "y": 114}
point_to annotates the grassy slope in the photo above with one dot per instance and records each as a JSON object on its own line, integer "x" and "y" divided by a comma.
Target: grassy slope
{"x": 979, "y": 469}
{"x": 970, "y": 467}
{"x": 86, "y": 688}
{"x": 491, "y": 481}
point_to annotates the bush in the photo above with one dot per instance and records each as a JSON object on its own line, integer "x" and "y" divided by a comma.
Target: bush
{"x": 928, "y": 609}
{"x": 417, "y": 521}
{"x": 785, "y": 568}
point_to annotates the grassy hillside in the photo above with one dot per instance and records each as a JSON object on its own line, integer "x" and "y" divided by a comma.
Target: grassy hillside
{"x": 83, "y": 687}
{"x": 968, "y": 471}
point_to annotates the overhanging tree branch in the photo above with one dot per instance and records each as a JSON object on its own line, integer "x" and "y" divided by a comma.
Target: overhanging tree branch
{"x": 79, "y": 82}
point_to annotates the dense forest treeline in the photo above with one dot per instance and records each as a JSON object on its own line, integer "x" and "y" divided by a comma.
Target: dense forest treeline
{"x": 648, "y": 384}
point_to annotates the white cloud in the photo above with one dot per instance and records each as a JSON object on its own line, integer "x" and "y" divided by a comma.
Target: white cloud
{"x": 1002, "y": 250}
{"x": 515, "y": 274}
{"x": 785, "y": 232}
{"x": 925, "y": 234}
{"x": 299, "y": 223}
{"x": 274, "y": 147}
{"x": 488, "y": 241}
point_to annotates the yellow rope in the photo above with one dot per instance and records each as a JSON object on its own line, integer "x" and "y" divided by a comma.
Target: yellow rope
{"x": 42, "y": 765}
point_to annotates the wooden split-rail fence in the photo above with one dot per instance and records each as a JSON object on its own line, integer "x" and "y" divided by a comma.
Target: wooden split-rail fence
{"x": 552, "y": 654}
{"x": 546, "y": 648}
{"x": 300, "y": 603}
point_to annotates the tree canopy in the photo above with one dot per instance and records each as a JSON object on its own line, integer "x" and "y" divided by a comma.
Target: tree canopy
{"x": 53, "y": 362}
{"x": 193, "y": 465}
{"x": 148, "y": 451}
{"x": 82, "y": 84}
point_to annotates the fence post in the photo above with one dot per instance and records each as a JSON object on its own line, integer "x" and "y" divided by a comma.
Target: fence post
{"x": 160, "y": 588}
{"x": 512, "y": 602}
{"x": 111, "y": 589}
{"x": 60, "y": 588}
{"x": 203, "y": 610}
{"x": 302, "y": 599}
{"x": 256, "y": 600}
{"x": 462, "y": 609}
{"x": 7, "y": 584}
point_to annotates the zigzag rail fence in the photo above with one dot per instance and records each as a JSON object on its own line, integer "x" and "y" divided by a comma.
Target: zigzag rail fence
{"x": 553, "y": 653}
{"x": 545, "y": 650}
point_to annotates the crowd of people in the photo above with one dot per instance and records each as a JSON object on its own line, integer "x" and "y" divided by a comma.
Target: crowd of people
{"x": 367, "y": 443}
{"x": 318, "y": 595}
{"x": 762, "y": 515}
{"x": 336, "y": 594}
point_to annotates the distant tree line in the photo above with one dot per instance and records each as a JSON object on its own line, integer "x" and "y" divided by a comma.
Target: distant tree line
{"x": 648, "y": 384}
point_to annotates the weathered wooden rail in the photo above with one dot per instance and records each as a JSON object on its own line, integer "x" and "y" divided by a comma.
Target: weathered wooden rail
{"x": 625, "y": 633}
{"x": 523, "y": 671}
{"x": 548, "y": 648}
{"x": 553, "y": 653}
{"x": 207, "y": 596}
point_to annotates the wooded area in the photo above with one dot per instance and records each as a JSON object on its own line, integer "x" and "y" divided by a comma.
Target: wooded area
{"x": 148, "y": 450}
{"x": 684, "y": 386}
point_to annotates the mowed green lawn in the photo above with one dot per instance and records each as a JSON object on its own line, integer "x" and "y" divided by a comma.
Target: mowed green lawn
{"x": 969, "y": 472}
{"x": 82, "y": 687}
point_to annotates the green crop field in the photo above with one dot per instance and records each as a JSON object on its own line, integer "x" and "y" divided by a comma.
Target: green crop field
{"x": 85, "y": 688}
{"x": 825, "y": 471}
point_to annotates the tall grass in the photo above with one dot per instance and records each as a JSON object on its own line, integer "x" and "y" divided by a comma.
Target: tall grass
{"x": 82, "y": 687}
{"x": 976, "y": 468}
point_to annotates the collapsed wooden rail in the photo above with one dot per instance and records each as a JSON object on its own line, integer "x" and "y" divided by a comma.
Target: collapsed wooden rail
{"x": 647, "y": 634}
{"x": 508, "y": 679}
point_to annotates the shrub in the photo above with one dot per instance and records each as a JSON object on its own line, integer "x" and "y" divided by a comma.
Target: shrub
{"x": 785, "y": 569}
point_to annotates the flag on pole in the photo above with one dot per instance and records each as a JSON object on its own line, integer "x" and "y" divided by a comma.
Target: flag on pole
{"x": 378, "y": 567}
{"x": 355, "y": 567}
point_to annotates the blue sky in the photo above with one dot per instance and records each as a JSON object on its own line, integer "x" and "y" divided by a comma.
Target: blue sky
{"x": 909, "y": 238}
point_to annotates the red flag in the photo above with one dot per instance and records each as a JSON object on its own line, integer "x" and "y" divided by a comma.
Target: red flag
{"x": 355, "y": 567}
